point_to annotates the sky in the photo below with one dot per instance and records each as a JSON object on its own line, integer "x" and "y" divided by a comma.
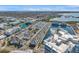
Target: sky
{"x": 39, "y": 8}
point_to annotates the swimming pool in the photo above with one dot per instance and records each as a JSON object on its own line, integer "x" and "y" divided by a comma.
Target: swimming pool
{"x": 24, "y": 25}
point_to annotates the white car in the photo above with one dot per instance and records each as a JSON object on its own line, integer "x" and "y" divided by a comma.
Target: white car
{"x": 2, "y": 36}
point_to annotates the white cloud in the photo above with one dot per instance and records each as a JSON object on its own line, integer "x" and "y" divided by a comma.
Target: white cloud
{"x": 40, "y": 9}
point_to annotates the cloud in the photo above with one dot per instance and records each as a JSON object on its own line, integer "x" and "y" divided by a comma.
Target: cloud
{"x": 39, "y": 8}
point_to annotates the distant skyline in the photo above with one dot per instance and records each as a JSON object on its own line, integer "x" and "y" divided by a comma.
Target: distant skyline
{"x": 39, "y": 8}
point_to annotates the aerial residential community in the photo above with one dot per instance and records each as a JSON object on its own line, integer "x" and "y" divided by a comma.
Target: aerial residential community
{"x": 39, "y": 31}
{"x": 44, "y": 33}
